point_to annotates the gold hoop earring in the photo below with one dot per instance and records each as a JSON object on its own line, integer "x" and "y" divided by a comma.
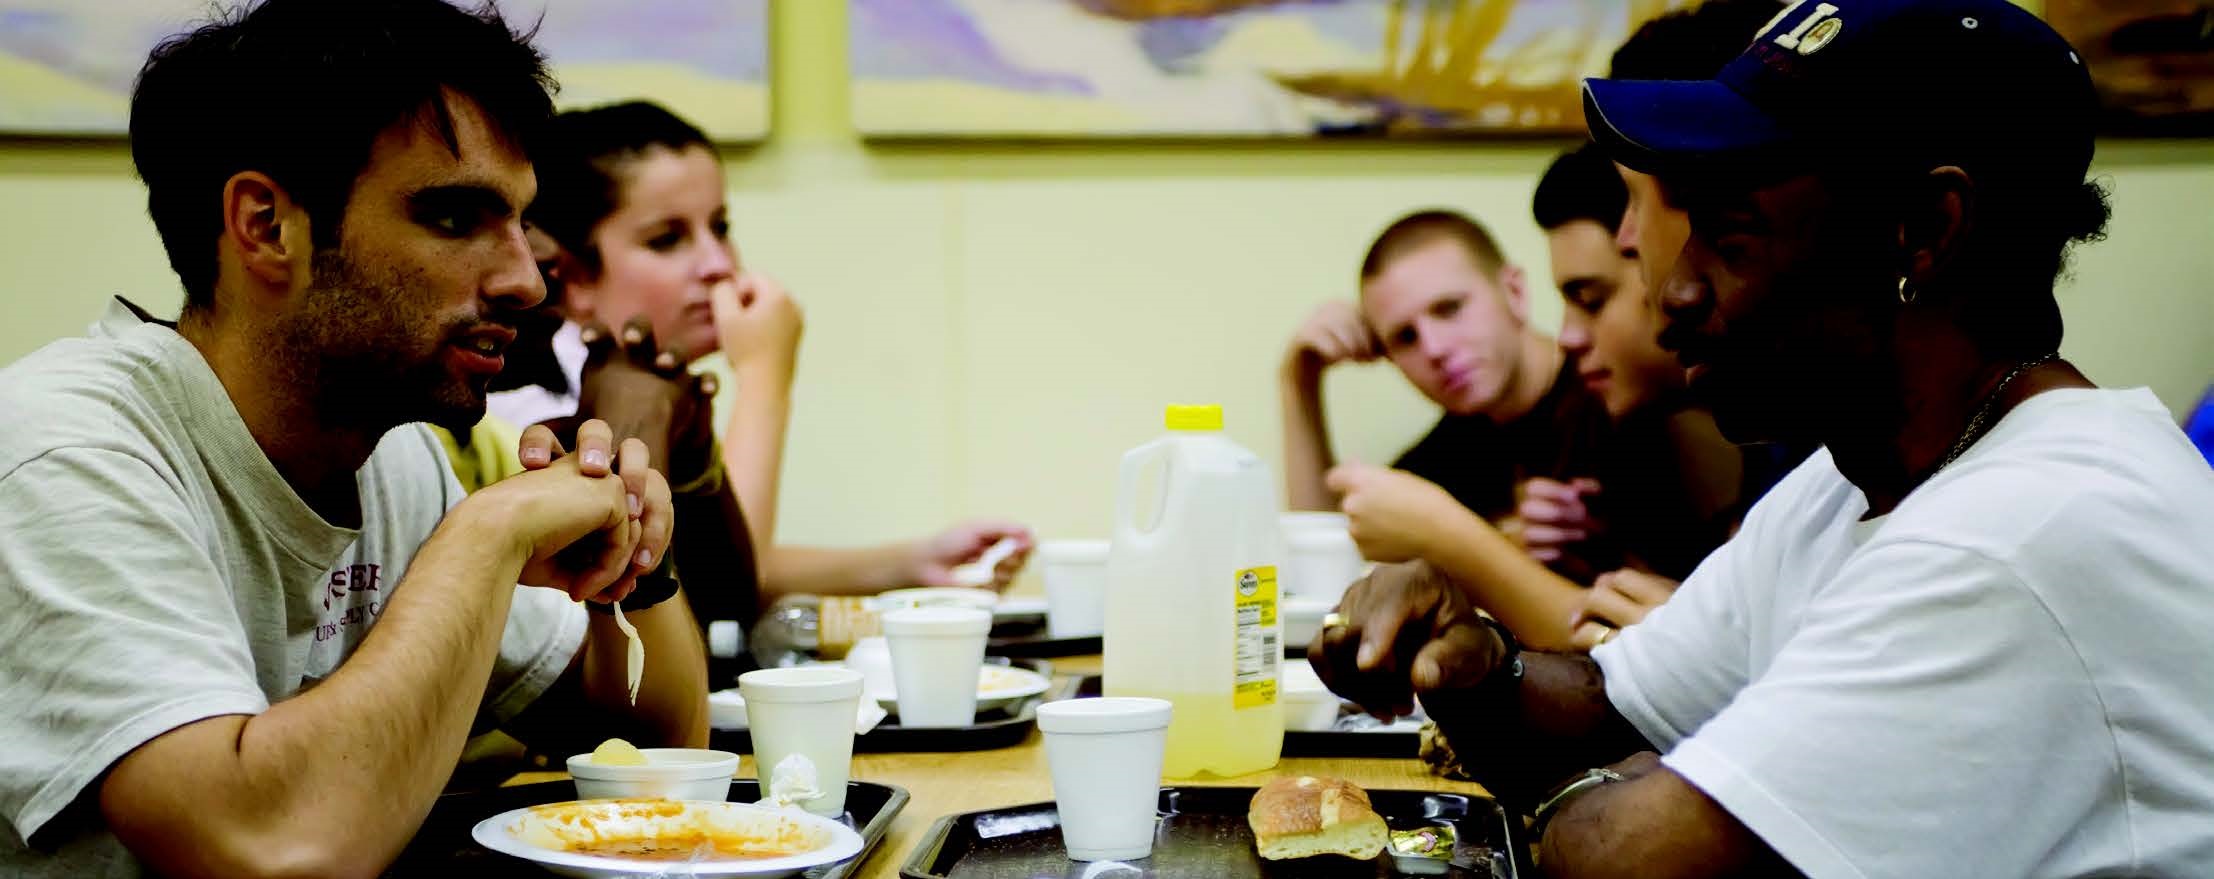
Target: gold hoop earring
{"x": 1906, "y": 293}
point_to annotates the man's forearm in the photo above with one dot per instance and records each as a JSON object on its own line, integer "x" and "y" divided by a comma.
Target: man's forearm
{"x": 1558, "y": 723}
{"x": 1652, "y": 823}
{"x": 672, "y": 694}
{"x": 385, "y": 729}
{"x": 1307, "y": 455}
{"x": 1498, "y": 576}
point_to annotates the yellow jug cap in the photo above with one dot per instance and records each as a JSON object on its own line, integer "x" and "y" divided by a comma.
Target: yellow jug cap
{"x": 1195, "y": 417}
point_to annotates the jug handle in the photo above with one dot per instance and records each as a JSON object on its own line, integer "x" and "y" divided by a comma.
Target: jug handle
{"x": 1126, "y": 522}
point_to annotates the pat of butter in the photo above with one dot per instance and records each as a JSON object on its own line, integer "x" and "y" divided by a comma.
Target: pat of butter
{"x": 616, "y": 752}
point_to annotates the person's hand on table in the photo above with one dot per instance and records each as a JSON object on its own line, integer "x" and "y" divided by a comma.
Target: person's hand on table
{"x": 933, "y": 560}
{"x": 1392, "y": 515}
{"x": 1403, "y": 630}
{"x": 589, "y": 522}
{"x": 1618, "y": 600}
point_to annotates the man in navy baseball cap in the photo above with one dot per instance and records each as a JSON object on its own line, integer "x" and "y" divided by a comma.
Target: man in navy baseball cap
{"x": 1965, "y": 638}
{"x": 1960, "y": 81}
{"x": 1969, "y": 118}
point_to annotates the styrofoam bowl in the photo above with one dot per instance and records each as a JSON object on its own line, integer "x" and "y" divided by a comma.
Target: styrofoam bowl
{"x": 669, "y": 773}
{"x": 1308, "y": 705}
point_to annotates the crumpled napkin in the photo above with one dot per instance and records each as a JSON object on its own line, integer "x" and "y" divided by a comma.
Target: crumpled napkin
{"x": 791, "y": 781}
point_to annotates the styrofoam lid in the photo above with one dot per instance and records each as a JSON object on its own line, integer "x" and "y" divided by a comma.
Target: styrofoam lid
{"x": 1073, "y": 552}
{"x": 1301, "y": 520}
{"x": 803, "y": 684}
{"x": 937, "y": 621}
{"x": 1105, "y": 715}
{"x": 1320, "y": 540}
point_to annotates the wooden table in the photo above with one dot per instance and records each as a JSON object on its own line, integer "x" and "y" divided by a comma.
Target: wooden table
{"x": 946, "y": 784}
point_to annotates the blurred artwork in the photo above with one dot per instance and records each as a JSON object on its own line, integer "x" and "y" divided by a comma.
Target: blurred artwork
{"x": 66, "y": 66}
{"x": 2152, "y": 60}
{"x": 1230, "y": 68}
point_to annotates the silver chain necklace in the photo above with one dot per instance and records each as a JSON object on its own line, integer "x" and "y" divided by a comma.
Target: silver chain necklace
{"x": 1976, "y": 422}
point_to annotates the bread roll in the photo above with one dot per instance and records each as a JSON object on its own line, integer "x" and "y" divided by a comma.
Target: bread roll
{"x": 1304, "y": 817}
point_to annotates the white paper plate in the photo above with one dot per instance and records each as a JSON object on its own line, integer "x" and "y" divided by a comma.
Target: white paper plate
{"x": 492, "y": 833}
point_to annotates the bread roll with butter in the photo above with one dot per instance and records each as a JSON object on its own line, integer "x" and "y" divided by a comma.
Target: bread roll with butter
{"x": 1307, "y": 816}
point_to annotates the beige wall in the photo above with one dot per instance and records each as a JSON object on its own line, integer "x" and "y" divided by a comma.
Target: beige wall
{"x": 990, "y": 326}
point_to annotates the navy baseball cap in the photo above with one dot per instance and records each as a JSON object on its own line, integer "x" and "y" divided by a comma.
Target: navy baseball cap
{"x": 1852, "y": 83}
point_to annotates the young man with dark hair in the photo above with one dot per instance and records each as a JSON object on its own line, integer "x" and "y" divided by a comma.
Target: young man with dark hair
{"x": 1438, "y": 300}
{"x": 252, "y": 618}
{"x": 1658, "y": 525}
{"x": 1967, "y": 637}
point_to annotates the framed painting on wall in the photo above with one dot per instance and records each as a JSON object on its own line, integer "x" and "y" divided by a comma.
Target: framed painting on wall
{"x": 66, "y": 66}
{"x": 1229, "y": 68}
{"x": 2152, "y": 61}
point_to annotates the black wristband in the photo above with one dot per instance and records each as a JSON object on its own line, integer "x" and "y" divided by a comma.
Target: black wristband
{"x": 1504, "y": 683}
{"x": 654, "y": 587}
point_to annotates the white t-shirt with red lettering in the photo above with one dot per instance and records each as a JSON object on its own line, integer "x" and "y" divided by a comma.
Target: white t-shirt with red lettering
{"x": 2011, "y": 674}
{"x": 155, "y": 570}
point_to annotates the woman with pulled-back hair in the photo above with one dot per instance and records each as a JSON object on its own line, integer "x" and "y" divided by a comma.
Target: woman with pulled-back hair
{"x": 635, "y": 231}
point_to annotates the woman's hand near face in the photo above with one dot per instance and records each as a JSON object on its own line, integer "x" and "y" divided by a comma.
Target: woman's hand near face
{"x": 758, "y": 323}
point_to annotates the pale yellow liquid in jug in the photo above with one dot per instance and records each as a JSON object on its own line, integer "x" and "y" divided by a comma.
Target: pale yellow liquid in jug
{"x": 1208, "y": 737}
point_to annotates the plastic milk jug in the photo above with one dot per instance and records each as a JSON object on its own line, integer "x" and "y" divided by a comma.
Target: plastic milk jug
{"x": 1192, "y": 595}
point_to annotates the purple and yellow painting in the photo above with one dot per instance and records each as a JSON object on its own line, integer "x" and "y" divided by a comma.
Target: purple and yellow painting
{"x": 2152, "y": 61}
{"x": 66, "y": 66}
{"x": 1229, "y": 68}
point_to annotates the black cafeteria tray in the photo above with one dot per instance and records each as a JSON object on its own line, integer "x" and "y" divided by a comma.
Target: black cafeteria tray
{"x": 1203, "y": 833}
{"x": 1352, "y": 743}
{"x": 443, "y": 846}
{"x": 1027, "y": 637}
{"x": 1000, "y": 728}
{"x": 1379, "y": 744}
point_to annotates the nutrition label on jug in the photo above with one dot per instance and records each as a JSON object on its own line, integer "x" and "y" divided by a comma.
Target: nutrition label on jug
{"x": 1257, "y": 650}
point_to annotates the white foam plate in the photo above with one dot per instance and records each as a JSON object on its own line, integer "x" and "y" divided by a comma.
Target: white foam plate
{"x": 999, "y": 687}
{"x": 492, "y": 833}
{"x": 935, "y": 596}
{"x": 1025, "y": 606}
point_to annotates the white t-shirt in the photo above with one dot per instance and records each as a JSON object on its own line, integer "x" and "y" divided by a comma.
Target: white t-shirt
{"x": 526, "y": 406}
{"x": 155, "y": 570}
{"x": 2011, "y": 674}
